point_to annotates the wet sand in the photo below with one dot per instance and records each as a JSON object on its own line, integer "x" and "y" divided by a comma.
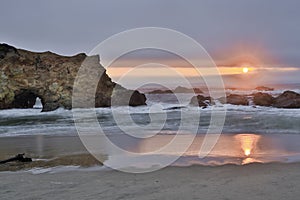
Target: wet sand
{"x": 41, "y": 146}
{"x": 46, "y": 152}
{"x": 239, "y": 149}
{"x": 253, "y": 182}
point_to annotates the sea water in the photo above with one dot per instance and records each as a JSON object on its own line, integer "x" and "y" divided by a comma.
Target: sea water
{"x": 273, "y": 133}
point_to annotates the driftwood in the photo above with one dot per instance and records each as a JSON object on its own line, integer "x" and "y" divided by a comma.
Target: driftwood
{"x": 19, "y": 158}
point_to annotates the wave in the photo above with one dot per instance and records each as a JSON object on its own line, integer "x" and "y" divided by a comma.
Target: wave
{"x": 258, "y": 119}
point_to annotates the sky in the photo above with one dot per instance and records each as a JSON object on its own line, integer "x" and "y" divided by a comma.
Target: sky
{"x": 261, "y": 34}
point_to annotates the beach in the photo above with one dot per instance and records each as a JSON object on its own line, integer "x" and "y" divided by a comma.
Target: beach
{"x": 63, "y": 169}
{"x": 253, "y": 181}
{"x": 48, "y": 151}
{"x": 257, "y": 156}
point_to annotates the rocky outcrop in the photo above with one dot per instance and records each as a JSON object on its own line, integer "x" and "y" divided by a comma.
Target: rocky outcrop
{"x": 263, "y": 88}
{"x": 287, "y": 99}
{"x": 263, "y": 99}
{"x": 200, "y": 101}
{"x": 26, "y": 75}
{"x": 161, "y": 92}
{"x": 178, "y": 89}
{"x": 235, "y": 99}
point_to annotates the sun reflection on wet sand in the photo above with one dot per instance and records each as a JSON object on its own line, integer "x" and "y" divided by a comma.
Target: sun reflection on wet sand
{"x": 237, "y": 149}
{"x": 248, "y": 144}
{"x": 247, "y": 152}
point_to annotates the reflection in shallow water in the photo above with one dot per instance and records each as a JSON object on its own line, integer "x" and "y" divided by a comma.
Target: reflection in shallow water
{"x": 250, "y": 160}
{"x": 247, "y": 152}
{"x": 230, "y": 149}
{"x": 248, "y": 144}
{"x": 237, "y": 149}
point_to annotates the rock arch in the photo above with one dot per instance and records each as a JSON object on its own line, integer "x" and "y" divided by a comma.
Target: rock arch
{"x": 25, "y": 75}
{"x": 24, "y": 99}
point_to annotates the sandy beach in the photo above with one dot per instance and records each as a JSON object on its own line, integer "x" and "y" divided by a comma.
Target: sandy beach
{"x": 46, "y": 152}
{"x": 54, "y": 175}
{"x": 254, "y": 181}
{"x": 51, "y": 151}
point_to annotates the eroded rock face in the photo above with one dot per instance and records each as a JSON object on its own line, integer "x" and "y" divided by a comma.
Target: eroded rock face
{"x": 288, "y": 99}
{"x": 25, "y": 75}
{"x": 263, "y": 99}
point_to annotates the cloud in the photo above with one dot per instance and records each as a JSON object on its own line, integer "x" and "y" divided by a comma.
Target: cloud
{"x": 259, "y": 32}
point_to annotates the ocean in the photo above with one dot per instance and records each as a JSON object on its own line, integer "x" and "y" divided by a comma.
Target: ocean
{"x": 272, "y": 134}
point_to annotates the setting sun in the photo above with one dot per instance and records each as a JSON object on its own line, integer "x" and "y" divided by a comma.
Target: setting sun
{"x": 245, "y": 69}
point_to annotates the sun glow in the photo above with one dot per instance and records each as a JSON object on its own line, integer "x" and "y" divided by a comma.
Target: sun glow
{"x": 245, "y": 69}
{"x": 247, "y": 152}
{"x": 248, "y": 144}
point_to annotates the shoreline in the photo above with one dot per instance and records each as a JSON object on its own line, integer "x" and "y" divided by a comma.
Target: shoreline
{"x": 253, "y": 181}
{"x": 68, "y": 151}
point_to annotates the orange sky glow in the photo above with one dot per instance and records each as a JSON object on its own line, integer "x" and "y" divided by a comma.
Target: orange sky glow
{"x": 248, "y": 67}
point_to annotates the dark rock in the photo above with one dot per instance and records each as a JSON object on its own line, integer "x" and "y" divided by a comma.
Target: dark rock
{"x": 19, "y": 99}
{"x": 197, "y": 91}
{"x": 263, "y": 88}
{"x": 235, "y": 99}
{"x": 200, "y": 101}
{"x": 288, "y": 99}
{"x": 178, "y": 89}
{"x": 19, "y": 158}
{"x": 128, "y": 97}
{"x": 25, "y": 75}
{"x": 263, "y": 99}
{"x": 6, "y": 49}
{"x": 161, "y": 92}
{"x": 175, "y": 108}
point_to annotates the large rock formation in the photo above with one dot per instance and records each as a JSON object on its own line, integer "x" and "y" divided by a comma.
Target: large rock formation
{"x": 287, "y": 99}
{"x": 26, "y": 75}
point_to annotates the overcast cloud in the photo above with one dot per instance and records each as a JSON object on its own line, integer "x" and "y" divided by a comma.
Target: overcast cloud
{"x": 70, "y": 27}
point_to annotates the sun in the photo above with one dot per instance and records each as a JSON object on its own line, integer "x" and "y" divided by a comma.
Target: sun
{"x": 245, "y": 70}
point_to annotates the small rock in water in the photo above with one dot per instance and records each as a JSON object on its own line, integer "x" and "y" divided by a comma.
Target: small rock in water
{"x": 235, "y": 99}
{"x": 200, "y": 101}
{"x": 263, "y": 99}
